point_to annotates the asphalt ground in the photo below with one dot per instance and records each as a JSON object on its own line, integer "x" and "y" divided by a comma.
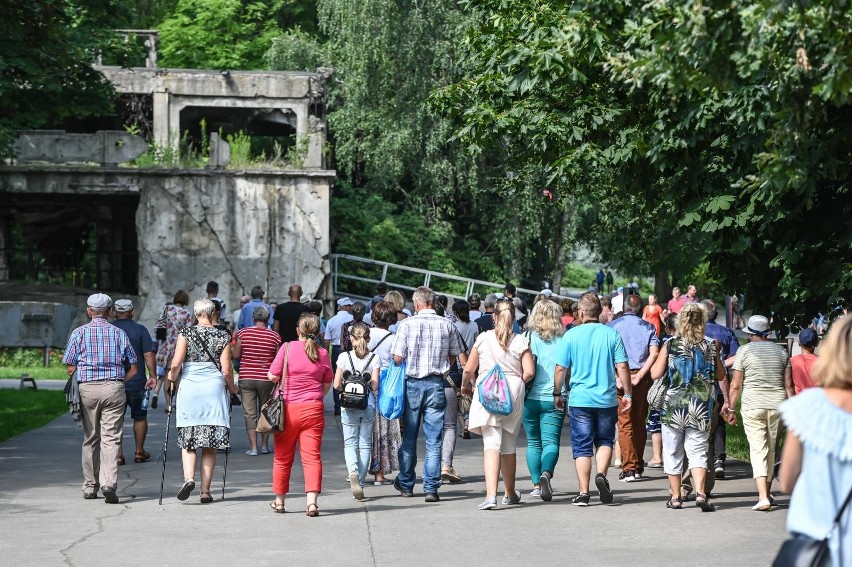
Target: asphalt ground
{"x": 45, "y": 521}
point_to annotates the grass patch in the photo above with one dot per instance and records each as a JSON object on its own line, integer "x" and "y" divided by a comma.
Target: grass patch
{"x": 23, "y": 410}
{"x": 37, "y": 372}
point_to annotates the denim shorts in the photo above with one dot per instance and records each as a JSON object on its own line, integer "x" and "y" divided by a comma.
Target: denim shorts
{"x": 134, "y": 402}
{"x": 591, "y": 428}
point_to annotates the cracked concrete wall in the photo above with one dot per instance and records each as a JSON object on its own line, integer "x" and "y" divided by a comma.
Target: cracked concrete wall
{"x": 240, "y": 230}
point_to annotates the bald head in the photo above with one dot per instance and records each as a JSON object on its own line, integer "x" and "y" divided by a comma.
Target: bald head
{"x": 633, "y": 304}
{"x": 295, "y": 292}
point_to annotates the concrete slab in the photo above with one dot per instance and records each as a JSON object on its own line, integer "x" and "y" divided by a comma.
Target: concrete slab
{"x": 46, "y": 522}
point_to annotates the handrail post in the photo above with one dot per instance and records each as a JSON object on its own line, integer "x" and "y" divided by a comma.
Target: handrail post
{"x": 385, "y": 273}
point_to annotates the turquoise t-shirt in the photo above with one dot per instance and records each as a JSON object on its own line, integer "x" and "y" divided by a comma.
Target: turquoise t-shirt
{"x": 591, "y": 352}
{"x": 548, "y": 356}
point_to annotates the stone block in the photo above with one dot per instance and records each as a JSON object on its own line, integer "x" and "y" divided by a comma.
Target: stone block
{"x": 56, "y": 146}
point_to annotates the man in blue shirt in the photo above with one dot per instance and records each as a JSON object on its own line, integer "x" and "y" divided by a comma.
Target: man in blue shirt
{"x": 247, "y": 311}
{"x": 98, "y": 352}
{"x": 135, "y": 388}
{"x": 642, "y": 346}
{"x": 728, "y": 349}
{"x": 594, "y": 353}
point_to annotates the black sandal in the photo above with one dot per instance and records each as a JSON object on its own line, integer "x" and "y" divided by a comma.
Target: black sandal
{"x": 675, "y": 504}
{"x": 206, "y": 498}
{"x": 702, "y": 502}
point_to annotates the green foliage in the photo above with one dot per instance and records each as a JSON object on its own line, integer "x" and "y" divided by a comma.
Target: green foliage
{"x": 23, "y": 410}
{"x": 46, "y": 72}
{"x": 240, "y": 150}
{"x": 28, "y": 357}
{"x": 296, "y": 50}
{"x": 683, "y": 132}
{"x": 219, "y": 34}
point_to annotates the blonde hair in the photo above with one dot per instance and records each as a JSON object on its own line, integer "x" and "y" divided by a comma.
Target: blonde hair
{"x": 359, "y": 336}
{"x": 308, "y": 327}
{"x": 834, "y": 366}
{"x": 396, "y": 299}
{"x": 504, "y": 320}
{"x": 691, "y": 322}
{"x": 545, "y": 320}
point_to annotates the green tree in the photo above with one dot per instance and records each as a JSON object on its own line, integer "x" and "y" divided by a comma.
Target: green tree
{"x": 46, "y": 72}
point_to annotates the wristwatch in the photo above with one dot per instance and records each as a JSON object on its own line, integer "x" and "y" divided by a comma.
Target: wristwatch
{"x": 627, "y": 396}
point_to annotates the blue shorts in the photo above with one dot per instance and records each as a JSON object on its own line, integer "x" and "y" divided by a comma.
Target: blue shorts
{"x": 134, "y": 402}
{"x": 591, "y": 428}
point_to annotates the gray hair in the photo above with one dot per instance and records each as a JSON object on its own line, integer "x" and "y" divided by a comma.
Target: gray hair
{"x": 490, "y": 301}
{"x": 203, "y": 307}
{"x": 423, "y": 296}
{"x": 260, "y": 314}
{"x": 710, "y": 307}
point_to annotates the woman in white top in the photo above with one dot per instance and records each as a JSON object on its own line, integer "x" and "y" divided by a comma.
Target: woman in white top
{"x": 358, "y": 423}
{"x": 499, "y": 432}
{"x": 387, "y": 436}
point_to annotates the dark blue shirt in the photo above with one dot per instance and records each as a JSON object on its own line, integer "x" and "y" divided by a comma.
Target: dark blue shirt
{"x": 725, "y": 336}
{"x": 140, "y": 340}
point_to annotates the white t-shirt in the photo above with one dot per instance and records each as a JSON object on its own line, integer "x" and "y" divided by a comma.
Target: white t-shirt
{"x": 349, "y": 361}
{"x": 617, "y": 304}
{"x": 383, "y": 352}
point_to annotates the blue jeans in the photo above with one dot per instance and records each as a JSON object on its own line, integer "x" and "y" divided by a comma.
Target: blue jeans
{"x": 543, "y": 424}
{"x": 591, "y": 427}
{"x": 425, "y": 402}
{"x": 357, "y": 439}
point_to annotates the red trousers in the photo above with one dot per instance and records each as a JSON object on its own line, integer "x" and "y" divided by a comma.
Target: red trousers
{"x": 631, "y": 426}
{"x": 303, "y": 423}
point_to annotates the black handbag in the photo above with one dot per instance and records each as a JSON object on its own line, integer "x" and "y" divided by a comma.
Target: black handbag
{"x": 804, "y": 551}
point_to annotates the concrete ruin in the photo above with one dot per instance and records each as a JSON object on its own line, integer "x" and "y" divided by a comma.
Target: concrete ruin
{"x": 158, "y": 230}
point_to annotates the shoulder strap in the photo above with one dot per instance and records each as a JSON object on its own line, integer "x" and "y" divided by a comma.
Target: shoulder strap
{"x": 842, "y": 509}
{"x": 380, "y": 342}
{"x": 461, "y": 338}
{"x": 203, "y": 341}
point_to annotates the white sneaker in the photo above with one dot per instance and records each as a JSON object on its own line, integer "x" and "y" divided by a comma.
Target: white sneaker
{"x": 762, "y": 506}
{"x": 355, "y": 486}
{"x": 251, "y": 453}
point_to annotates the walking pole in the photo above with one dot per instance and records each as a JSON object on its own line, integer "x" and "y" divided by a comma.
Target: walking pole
{"x": 166, "y": 442}
{"x": 227, "y": 452}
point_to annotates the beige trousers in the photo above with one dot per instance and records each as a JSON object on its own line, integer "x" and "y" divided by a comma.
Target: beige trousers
{"x": 103, "y": 419}
{"x": 761, "y": 429}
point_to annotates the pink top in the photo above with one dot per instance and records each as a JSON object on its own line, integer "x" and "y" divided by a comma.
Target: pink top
{"x": 802, "y": 366}
{"x": 304, "y": 377}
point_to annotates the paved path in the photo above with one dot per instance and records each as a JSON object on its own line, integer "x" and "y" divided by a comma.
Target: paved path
{"x": 45, "y": 521}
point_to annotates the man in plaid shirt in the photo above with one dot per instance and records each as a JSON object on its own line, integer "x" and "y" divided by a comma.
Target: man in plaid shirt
{"x": 103, "y": 358}
{"x": 429, "y": 344}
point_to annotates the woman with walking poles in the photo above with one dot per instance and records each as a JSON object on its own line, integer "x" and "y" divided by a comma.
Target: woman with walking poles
{"x": 202, "y": 361}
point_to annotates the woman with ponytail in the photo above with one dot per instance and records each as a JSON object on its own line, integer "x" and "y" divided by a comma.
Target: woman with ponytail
{"x": 691, "y": 364}
{"x": 307, "y": 379}
{"x": 500, "y": 346}
{"x": 358, "y": 423}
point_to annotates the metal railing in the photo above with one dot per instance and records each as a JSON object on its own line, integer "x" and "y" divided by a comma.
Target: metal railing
{"x": 370, "y": 272}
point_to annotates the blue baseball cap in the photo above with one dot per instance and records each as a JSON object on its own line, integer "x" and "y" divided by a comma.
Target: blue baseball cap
{"x": 808, "y": 338}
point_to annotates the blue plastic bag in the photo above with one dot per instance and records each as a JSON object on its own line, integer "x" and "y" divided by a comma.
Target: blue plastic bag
{"x": 392, "y": 391}
{"x": 494, "y": 392}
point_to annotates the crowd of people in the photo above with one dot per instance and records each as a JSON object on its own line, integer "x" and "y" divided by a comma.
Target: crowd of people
{"x": 619, "y": 369}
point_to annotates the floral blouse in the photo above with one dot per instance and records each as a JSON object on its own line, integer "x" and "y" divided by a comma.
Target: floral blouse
{"x": 174, "y": 319}
{"x": 692, "y": 385}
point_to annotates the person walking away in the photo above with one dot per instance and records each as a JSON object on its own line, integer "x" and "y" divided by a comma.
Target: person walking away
{"x": 728, "y": 346}
{"x": 358, "y": 312}
{"x": 429, "y": 345}
{"x": 542, "y": 420}
{"x": 213, "y": 295}
{"x": 599, "y": 279}
{"x": 500, "y": 346}
{"x": 334, "y": 333}
{"x": 387, "y": 437}
{"x": 654, "y": 427}
{"x": 452, "y": 381}
{"x": 235, "y": 315}
{"x": 762, "y": 376}
{"x": 103, "y": 358}
{"x": 202, "y": 361}
{"x": 308, "y": 380}
{"x": 357, "y": 422}
{"x": 287, "y": 314}
{"x": 474, "y": 301}
{"x": 691, "y": 365}
{"x": 175, "y": 318}
{"x": 247, "y": 310}
{"x": 642, "y": 345}
{"x": 468, "y": 331}
{"x": 618, "y": 301}
{"x": 610, "y": 281}
{"x": 594, "y": 353}
{"x": 136, "y": 389}
{"x": 255, "y": 348}
{"x": 381, "y": 291}
{"x": 802, "y": 364}
{"x": 816, "y": 467}
{"x": 606, "y": 311}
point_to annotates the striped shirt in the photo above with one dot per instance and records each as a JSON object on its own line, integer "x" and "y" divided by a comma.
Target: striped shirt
{"x": 425, "y": 341}
{"x": 762, "y": 364}
{"x": 259, "y": 346}
{"x": 99, "y": 351}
